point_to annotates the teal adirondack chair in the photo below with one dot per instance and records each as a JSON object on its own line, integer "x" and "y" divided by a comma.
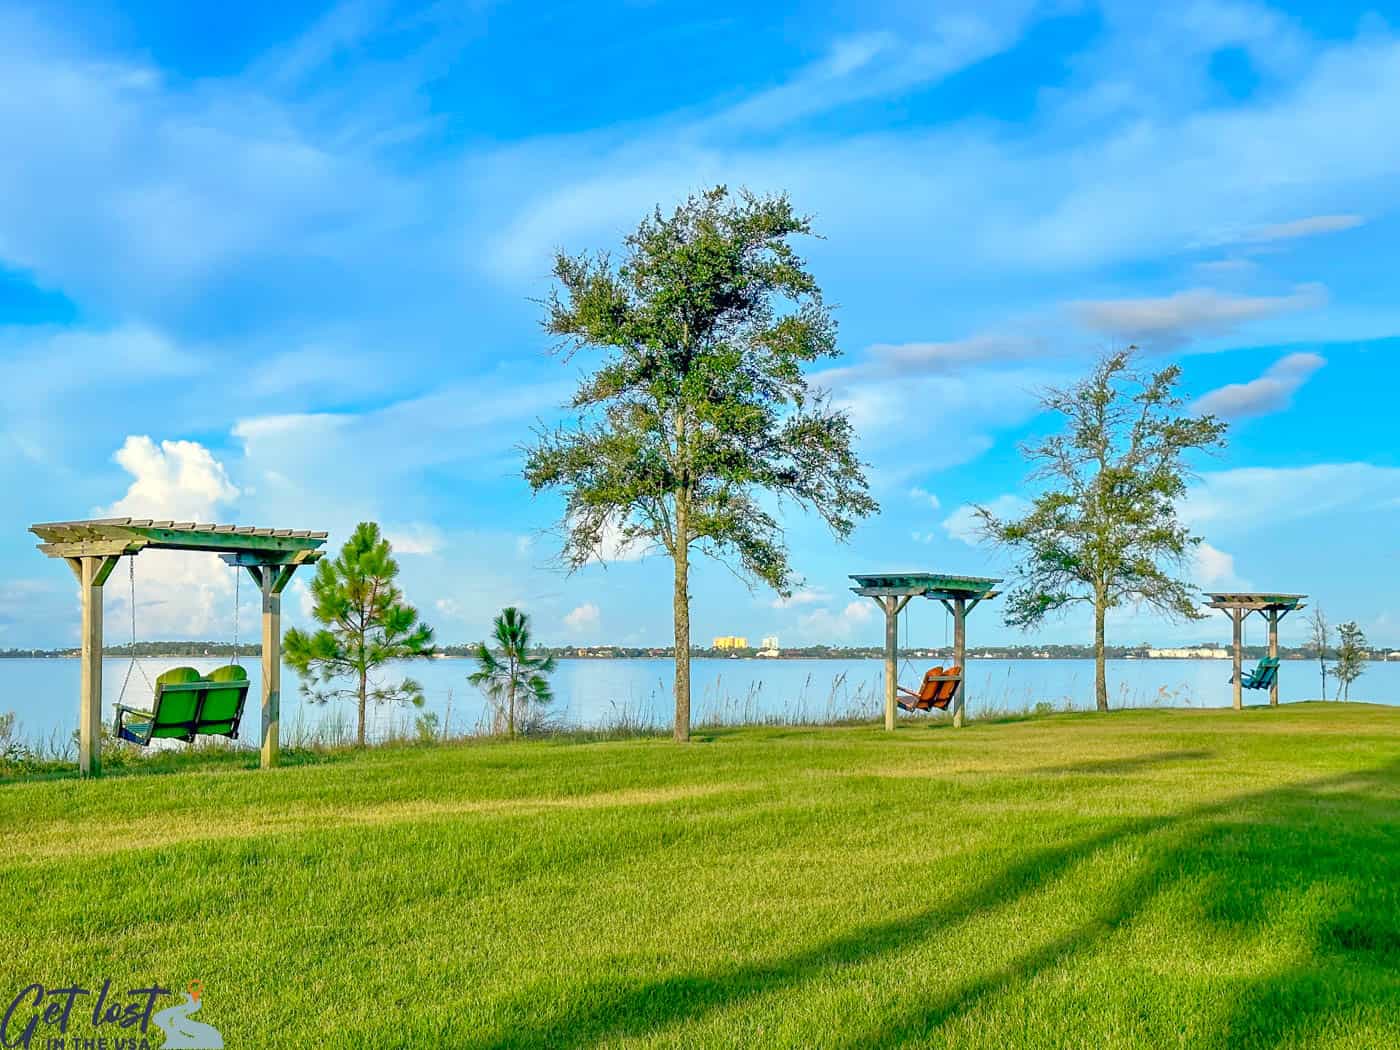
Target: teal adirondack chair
{"x": 187, "y": 705}
{"x": 1263, "y": 676}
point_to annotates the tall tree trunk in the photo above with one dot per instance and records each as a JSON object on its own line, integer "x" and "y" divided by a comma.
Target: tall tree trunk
{"x": 364, "y": 697}
{"x": 682, "y": 618}
{"x": 1100, "y": 675}
{"x": 510, "y": 704}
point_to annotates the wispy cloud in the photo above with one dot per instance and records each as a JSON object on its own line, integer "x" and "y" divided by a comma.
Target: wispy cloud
{"x": 1271, "y": 392}
{"x": 1176, "y": 319}
{"x": 965, "y": 525}
{"x": 1309, "y": 227}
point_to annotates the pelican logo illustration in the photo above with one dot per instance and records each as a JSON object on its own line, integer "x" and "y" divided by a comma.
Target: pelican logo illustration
{"x": 182, "y": 1033}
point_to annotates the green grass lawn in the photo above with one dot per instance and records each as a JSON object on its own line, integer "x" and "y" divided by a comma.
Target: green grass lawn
{"x": 1145, "y": 878}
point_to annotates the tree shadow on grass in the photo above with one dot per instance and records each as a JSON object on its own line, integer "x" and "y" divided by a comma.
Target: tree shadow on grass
{"x": 1130, "y": 764}
{"x": 605, "y": 1012}
{"x": 1266, "y": 1010}
{"x": 1347, "y": 974}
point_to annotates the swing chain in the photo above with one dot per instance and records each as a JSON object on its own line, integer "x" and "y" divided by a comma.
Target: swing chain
{"x": 237, "y": 580}
{"x": 133, "y": 663}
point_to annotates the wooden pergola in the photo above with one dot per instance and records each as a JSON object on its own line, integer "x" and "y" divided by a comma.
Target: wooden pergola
{"x": 92, "y": 550}
{"x": 1238, "y": 606}
{"x": 959, "y": 595}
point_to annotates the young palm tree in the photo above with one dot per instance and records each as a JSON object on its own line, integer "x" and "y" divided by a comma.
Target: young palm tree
{"x": 509, "y": 676}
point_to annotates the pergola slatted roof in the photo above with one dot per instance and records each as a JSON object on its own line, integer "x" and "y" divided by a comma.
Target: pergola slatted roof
{"x": 927, "y": 584}
{"x": 117, "y": 536}
{"x": 1255, "y": 600}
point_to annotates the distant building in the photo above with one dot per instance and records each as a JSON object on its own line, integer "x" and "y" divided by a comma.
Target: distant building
{"x": 1200, "y": 652}
{"x": 731, "y": 641}
{"x": 770, "y": 642}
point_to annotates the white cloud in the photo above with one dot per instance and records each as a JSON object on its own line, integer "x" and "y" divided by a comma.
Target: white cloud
{"x": 1212, "y": 567}
{"x": 1271, "y": 392}
{"x": 963, "y": 524}
{"x": 1178, "y": 318}
{"x": 417, "y": 538}
{"x": 805, "y": 596}
{"x": 825, "y": 625}
{"x": 178, "y": 594}
{"x": 583, "y": 619}
{"x": 179, "y": 480}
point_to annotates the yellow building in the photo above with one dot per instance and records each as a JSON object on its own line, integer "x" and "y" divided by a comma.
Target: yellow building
{"x": 731, "y": 641}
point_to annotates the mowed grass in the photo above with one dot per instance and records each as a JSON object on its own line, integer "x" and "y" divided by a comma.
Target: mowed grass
{"x": 1145, "y": 878}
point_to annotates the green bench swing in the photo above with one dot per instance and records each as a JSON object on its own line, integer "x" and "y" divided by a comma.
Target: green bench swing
{"x": 186, "y": 705}
{"x": 1263, "y": 676}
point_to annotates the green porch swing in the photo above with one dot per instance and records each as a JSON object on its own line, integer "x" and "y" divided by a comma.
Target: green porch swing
{"x": 184, "y": 703}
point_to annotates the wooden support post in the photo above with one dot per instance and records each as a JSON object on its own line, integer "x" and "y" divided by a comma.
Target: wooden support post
{"x": 92, "y": 571}
{"x": 960, "y": 658}
{"x": 889, "y": 604}
{"x": 1237, "y": 617}
{"x": 268, "y": 578}
{"x": 1273, "y": 654}
{"x": 892, "y": 605}
{"x": 90, "y": 705}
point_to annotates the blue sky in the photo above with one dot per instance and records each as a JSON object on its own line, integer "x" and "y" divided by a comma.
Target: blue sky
{"x": 277, "y": 265}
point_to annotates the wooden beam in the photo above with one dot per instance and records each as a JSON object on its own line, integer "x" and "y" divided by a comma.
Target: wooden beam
{"x": 284, "y": 577}
{"x": 960, "y": 658}
{"x": 271, "y": 667}
{"x": 86, "y": 548}
{"x": 90, "y": 671}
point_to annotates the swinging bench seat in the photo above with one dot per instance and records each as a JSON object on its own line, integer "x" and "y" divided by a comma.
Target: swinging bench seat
{"x": 187, "y": 705}
{"x": 1263, "y": 676}
{"x": 936, "y": 690}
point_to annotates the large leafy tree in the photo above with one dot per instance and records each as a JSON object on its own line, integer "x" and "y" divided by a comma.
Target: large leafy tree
{"x": 509, "y": 674}
{"x": 699, "y": 424}
{"x": 1105, "y": 530}
{"x": 365, "y": 624}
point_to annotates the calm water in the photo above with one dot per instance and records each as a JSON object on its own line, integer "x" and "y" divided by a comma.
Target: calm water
{"x": 43, "y": 693}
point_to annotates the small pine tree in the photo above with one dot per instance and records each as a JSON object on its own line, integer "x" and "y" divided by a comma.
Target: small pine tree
{"x": 366, "y": 624}
{"x": 514, "y": 679}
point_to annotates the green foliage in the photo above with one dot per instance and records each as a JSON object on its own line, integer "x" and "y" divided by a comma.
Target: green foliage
{"x": 366, "y": 624}
{"x": 427, "y": 727}
{"x": 510, "y": 676}
{"x": 1105, "y": 530}
{"x": 699, "y": 426}
{"x": 1351, "y": 656}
